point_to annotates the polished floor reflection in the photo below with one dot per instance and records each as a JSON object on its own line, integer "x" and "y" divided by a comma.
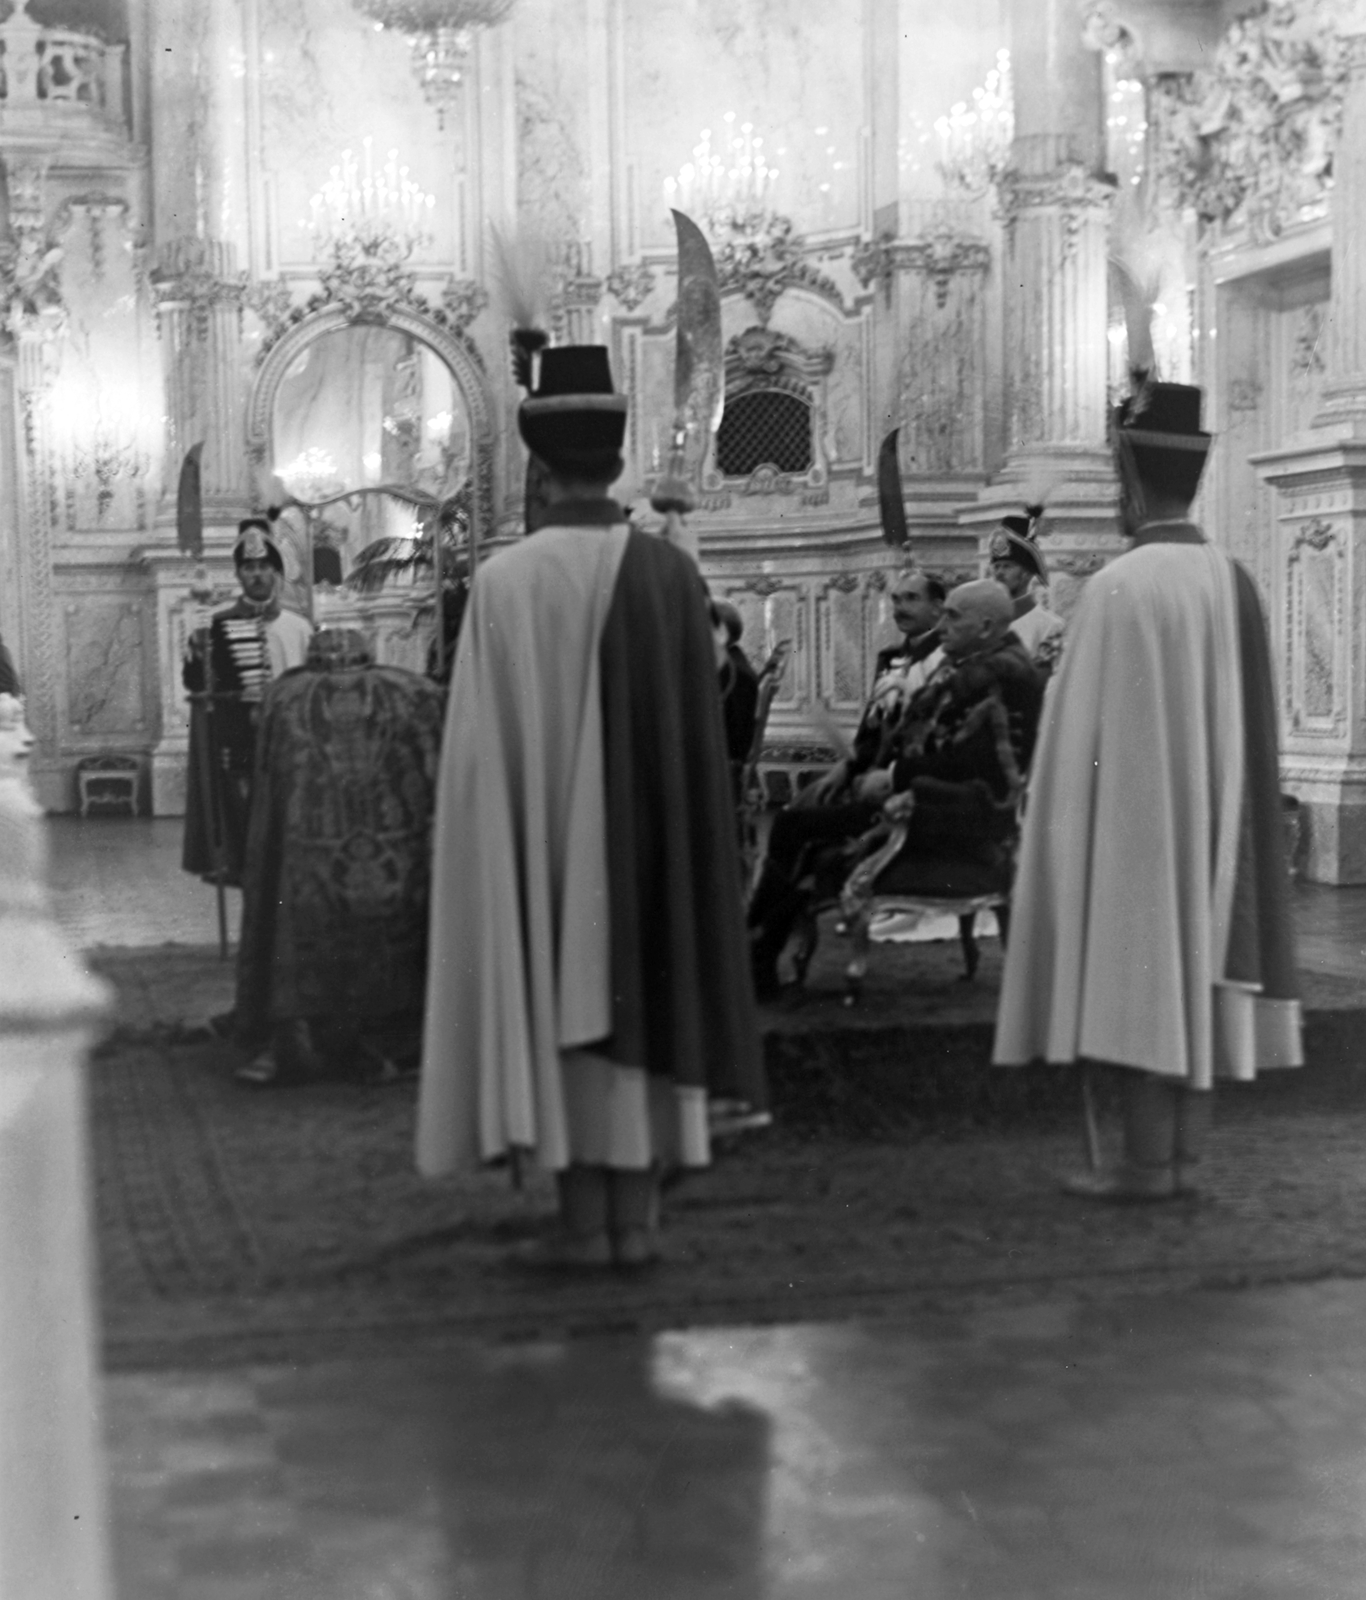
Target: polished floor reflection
{"x": 1212, "y": 1446}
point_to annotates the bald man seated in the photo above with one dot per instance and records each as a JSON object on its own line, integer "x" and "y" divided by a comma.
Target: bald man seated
{"x": 957, "y": 760}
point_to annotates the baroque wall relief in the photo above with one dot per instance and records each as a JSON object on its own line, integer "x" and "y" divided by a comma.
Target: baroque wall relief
{"x": 1317, "y": 628}
{"x": 775, "y": 387}
{"x": 1248, "y": 142}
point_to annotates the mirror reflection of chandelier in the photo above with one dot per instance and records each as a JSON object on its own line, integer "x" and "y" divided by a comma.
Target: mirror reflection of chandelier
{"x": 728, "y": 189}
{"x": 370, "y": 210}
{"x": 441, "y": 35}
{"x": 974, "y": 140}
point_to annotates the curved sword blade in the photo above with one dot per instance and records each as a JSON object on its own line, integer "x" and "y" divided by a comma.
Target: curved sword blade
{"x": 699, "y": 360}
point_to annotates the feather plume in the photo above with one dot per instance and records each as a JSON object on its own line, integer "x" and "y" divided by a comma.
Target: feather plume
{"x": 521, "y": 276}
{"x": 1039, "y": 491}
{"x": 1137, "y": 293}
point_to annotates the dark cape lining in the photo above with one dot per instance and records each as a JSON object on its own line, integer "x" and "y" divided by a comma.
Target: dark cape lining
{"x": 683, "y": 1005}
{"x": 1261, "y": 945}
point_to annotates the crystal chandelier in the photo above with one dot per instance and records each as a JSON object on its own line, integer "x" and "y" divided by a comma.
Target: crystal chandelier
{"x": 441, "y": 36}
{"x": 369, "y": 210}
{"x": 975, "y": 140}
{"x": 728, "y": 189}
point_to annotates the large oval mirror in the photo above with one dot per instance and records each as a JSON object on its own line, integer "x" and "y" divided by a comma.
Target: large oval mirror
{"x": 358, "y": 407}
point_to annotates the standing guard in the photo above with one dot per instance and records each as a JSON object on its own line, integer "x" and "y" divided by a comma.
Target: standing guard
{"x": 227, "y": 667}
{"x": 1018, "y": 563}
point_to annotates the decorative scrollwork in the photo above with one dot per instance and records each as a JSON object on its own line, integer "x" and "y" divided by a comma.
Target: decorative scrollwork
{"x": 271, "y": 300}
{"x": 1074, "y": 190}
{"x": 764, "y": 262}
{"x": 30, "y": 283}
{"x": 1248, "y": 143}
{"x": 940, "y": 253}
{"x": 191, "y": 274}
{"x": 461, "y": 302}
{"x": 1316, "y": 535}
{"x": 632, "y": 283}
{"x": 760, "y": 358}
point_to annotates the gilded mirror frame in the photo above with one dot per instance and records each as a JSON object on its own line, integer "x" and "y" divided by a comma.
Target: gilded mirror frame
{"x": 462, "y": 360}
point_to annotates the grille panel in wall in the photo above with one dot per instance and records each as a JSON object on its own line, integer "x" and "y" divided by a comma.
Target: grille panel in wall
{"x": 764, "y": 428}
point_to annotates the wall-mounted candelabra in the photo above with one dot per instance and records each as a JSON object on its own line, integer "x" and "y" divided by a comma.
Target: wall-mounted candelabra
{"x": 975, "y": 138}
{"x": 727, "y": 187}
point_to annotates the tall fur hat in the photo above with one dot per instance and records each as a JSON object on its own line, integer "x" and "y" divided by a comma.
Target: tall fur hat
{"x": 1156, "y": 433}
{"x": 574, "y": 421}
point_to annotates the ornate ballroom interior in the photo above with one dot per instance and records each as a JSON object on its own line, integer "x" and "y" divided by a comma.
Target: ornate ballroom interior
{"x": 272, "y": 228}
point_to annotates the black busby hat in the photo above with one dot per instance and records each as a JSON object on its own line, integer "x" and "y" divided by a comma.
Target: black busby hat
{"x": 1157, "y": 434}
{"x": 1016, "y": 539}
{"x": 256, "y": 542}
{"x": 574, "y": 421}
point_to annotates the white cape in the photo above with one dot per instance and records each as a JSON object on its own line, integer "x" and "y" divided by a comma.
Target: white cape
{"x": 1123, "y": 899}
{"x": 519, "y": 963}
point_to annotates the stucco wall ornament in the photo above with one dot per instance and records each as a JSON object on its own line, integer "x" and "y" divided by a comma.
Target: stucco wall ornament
{"x": 760, "y": 358}
{"x": 1306, "y": 357}
{"x": 940, "y": 252}
{"x": 632, "y": 283}
{"x": 461, "y": 302}
{"x": 271, "y": 300}
{"x": 1248, "y": 142}
{"x": 764, "y": 259}
{"x": 1073, "y": 191}
{"x": 190, "y": 275}
{"x": 1318, "y": 535}
{"x": 30, "y": 286}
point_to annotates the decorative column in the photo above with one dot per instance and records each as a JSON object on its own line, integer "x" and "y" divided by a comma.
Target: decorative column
{"x": 1321, "y": 534}
{"x": 1055, "y": 211}
{"x": 199, "y": 300}
{"x": 54, "y": 1542}
{"x": 35, "y": 315}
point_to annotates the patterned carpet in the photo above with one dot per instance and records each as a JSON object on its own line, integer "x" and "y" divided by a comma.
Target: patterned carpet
{"x": 903, "y": 1176}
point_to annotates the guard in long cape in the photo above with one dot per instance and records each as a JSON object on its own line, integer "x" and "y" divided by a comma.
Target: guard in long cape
{"x": 226, "y": 670}
{"x": 1150, "y": 918}
{"x": 588, "y": 988}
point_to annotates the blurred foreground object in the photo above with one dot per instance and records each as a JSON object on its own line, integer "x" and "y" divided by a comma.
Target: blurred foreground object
{"x": 53, "y": 1524}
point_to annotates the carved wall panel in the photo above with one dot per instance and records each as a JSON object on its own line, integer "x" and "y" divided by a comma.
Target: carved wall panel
{"x": 1264, "y": 377}
{"x": 1317, "y": 628}
{"x": 842, "y": 629}
{"x": 773, "y": 610}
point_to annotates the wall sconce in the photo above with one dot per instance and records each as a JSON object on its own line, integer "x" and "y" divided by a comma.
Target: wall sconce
{"x": 368, "y": 211}
{"x": 102, "y": 434}
{"x": 975, "y": 141}
{"x": 728, "y": 189}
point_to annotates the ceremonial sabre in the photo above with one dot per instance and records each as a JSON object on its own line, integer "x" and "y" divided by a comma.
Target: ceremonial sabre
{"x": 699, "y": 381}
{"x": 891, "y": 507}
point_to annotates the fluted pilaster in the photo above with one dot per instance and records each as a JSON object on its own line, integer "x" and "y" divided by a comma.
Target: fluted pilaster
{"x": 1056, "y": 218}
{"x": 1344, "y": 392}
{"x": 199, "y": 311}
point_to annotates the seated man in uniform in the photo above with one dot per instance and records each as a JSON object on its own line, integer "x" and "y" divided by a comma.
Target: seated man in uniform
{"x": 1017, "y": 564}
{"x": 952, "y": 768}
{"x": 227, "y": 668}
{"x": 331, "y": 966}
